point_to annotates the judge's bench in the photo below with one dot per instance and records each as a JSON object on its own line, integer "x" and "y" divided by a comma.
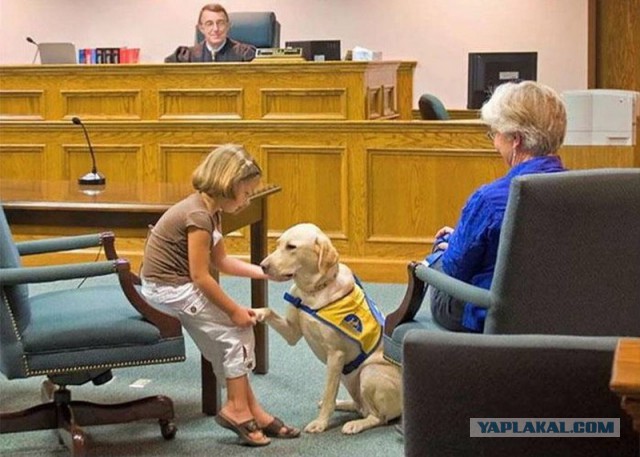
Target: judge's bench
{"x": 339, "y": 138}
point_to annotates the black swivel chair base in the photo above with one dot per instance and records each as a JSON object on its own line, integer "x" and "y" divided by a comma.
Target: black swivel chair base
{"x": 60, "y": 412}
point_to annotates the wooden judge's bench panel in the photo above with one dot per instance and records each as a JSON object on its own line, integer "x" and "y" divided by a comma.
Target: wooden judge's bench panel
{"x": 230, "y": 91}
{"x": 379, "y": 188}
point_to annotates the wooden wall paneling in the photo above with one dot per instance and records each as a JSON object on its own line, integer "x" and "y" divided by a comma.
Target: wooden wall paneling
{"x": 117, "y": 162}
{"x": 389, "y": 102}
{"x": 304, "y": 104}
{"x": 23, "y": 161}
{"x": 404, "y": 91}
{"x": 212, "y": 104}
{"x": 412, "y": 193}
{"x": 379, "y": 188}
{"x": 618, "y": 44}
{"x": 583, "y": 157}
{"x": 26, "y": 105}
{"x": 381, "y": 94}
{"x": 56, "y": 160}
{"x": 355, "y": 245}
{"x": 170, "y": 91}
{"x": 314, "y": 186}
{"x": 374, "y": 103}
{"x": 178, "y": 161}
{"x": 101, "y": 104}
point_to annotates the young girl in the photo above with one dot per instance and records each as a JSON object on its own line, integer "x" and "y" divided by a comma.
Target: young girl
{"x": 183, "y": 245}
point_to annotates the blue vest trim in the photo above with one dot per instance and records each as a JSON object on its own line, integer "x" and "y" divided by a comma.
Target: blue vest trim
{"x": 373, "y": 309}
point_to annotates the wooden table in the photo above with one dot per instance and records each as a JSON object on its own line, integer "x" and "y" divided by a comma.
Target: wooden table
{"x": 119, "y": 206}
{"x": 625, "y": 377}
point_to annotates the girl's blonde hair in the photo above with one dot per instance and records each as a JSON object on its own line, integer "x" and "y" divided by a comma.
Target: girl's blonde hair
{"x": 222, "y": 169}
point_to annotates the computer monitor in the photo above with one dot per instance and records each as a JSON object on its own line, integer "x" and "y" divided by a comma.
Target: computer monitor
{"x": 487, "y": 70}
{"x": 317, "y": 50}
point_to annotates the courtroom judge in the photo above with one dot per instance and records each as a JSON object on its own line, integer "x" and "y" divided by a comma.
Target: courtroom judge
{"x": 214, "y": 24}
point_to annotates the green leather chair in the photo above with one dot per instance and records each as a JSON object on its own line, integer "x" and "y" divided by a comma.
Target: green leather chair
{"x": 78, "y": 335}
{"x": 432, "y": 109}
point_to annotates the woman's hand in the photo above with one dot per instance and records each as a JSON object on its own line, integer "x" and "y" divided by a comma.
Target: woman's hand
{"x": 442, "y": 237}
{"x": 444, "y": 230}
{"x": 243, "y": 317}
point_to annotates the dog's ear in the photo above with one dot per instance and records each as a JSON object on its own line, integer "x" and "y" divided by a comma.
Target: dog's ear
{"x": 327, "y": 254}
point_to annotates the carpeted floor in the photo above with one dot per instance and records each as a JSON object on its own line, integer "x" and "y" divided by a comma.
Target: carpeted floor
{"x": 290, "y": 390}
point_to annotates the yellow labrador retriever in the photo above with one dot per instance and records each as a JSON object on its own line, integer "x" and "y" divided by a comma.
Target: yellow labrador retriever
{"x": 322, "y": 288}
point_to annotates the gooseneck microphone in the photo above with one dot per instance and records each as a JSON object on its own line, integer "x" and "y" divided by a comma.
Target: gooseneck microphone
{"x": 92, "y": 178}
{"x": 35, "y": 56}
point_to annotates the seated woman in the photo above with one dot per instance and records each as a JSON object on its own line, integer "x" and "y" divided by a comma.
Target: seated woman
{"x": 527, "y": 122}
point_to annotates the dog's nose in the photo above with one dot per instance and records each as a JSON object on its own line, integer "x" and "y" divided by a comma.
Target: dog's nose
{"x": 264, "y": 268}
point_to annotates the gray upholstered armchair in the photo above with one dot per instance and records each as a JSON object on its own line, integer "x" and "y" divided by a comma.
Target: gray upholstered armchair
{"x": 450, "y": 378}
{"x": 568, "y": 263}
{"x": 76, "y": 335}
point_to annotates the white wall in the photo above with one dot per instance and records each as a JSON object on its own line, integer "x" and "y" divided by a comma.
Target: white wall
{"x": 438, "y": 34}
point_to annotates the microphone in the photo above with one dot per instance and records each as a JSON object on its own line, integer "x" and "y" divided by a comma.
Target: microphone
{"x": 35, "y": 56}
{"x": 92, "y": 178}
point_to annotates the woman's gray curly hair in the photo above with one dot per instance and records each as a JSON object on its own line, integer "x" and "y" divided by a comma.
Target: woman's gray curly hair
{"x": 532, "y": 110}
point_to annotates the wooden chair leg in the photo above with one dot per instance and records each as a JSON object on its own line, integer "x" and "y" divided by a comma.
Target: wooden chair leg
{"x": 70, "y": 434}
{"x": 39, "y": 417}
{"x": 60, "y": 412}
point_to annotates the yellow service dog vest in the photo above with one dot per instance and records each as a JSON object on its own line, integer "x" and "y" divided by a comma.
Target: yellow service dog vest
{"x": 355, "y": 316}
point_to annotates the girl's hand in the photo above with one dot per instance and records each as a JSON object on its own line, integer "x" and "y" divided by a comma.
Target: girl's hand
{"x": 243, "y": 317}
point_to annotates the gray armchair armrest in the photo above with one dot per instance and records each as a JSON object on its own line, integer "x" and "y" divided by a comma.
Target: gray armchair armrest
{"x": 454, "y": 287}
{"x": 419, "y": 277}
{"x": 65, "y": 243}
{"x": 29, "y": 275}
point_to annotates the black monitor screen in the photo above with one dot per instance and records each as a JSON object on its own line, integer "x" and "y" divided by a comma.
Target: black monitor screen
{"x": 487, "y": 70}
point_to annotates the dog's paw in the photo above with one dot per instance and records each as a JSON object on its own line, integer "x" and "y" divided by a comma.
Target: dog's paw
{"x": 316, "y": 426}
{"x": 262, "y": 314}
{"x": 356, "y": 426}
{"x": 352, "y": 427}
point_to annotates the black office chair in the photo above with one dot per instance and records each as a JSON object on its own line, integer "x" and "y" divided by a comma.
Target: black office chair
{"x": 432, "y": 109}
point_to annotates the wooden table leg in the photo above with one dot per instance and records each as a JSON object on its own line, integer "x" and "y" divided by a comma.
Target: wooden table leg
{"x": 259, "y": 297}
{"x": 211, "y": 391}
